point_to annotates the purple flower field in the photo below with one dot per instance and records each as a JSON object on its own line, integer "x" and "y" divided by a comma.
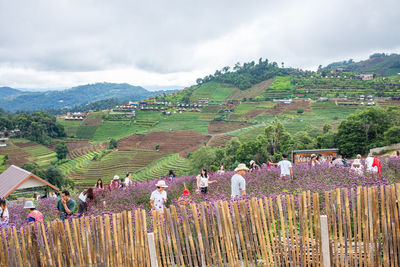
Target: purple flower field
{"x": 265, "y": 182}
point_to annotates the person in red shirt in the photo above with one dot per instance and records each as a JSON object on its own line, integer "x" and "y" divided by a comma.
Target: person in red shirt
{"x": 377, "y": 163}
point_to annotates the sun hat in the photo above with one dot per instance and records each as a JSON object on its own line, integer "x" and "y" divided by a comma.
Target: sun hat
{"x": 186, "y": 192}
{"x": 116, "y": 177}
{"x": 161, "y": 183}
{"x": 241, "y": 166}
{"x": 313, "y": 155}
{"x": 252, "y": 161}
{"x": 29, "y": 205}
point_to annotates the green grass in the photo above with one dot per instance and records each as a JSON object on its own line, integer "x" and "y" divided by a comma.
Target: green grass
{"x": 245, "y": 107}
{"x": 40, "y": 154}
{"x": 180, "y": 122}
{"x": 245, "y": 130}
{"x": 160, "y": 168}
{"x": 70, "y": 127}
{"x": 213, "y": 91}
{"x": 117, "y": 130}
{"x": 86, "y": 132}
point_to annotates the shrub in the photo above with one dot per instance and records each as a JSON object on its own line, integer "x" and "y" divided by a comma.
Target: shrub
{"x": 300, "y": 111}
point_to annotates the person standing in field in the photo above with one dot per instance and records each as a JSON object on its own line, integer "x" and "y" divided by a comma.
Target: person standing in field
{"x": 66, "y": 205}
{"x": 158, "y": 197}
{"x": 4, "y": 216}
{"x": 128, "y": 181}
{"x": 83, "y": 198}
{"x": 238, "y": 183}
{"x": 378, "y": 165}
{"x": 203, "y": 181}
{"x": 286, "y": 168}
{"x": 34, "y": 215}
{"x": 357, "y": 166}
{"x": 368, "y": 164}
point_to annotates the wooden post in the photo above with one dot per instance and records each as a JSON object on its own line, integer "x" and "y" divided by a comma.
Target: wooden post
{"x": 325, "y": 241}
{"x": 152, "y": 250}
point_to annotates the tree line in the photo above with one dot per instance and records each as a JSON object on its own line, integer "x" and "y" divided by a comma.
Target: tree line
{"x": 38, "y": 127}
{"x": 246, "y": 75}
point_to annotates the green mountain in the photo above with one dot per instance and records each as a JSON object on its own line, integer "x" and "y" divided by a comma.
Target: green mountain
{"x": 8, "y": 91}
{"x": 76, "y": 96}
{"x": 378, "y": 63}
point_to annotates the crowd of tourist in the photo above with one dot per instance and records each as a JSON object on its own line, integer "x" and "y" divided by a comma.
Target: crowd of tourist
{"x": 66, "y": 206}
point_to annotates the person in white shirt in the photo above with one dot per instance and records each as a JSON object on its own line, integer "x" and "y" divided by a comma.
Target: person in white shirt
{"x": 127, "y": 180}
{"x": 286, "y": 168}
{"x": 356, "y": 166}
{"x": 4, "y": 216}
{"x": 203, "y": 181}
{"x": 368, "y": 164}
{"x": 158, "y": 197}
{"x": 238, "y": 183}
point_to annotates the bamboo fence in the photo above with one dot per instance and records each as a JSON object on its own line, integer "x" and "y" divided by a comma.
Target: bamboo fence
{"x": 363, "y": 230}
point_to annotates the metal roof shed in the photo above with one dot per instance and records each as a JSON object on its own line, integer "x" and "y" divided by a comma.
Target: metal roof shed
{"x": 15, "y": 178}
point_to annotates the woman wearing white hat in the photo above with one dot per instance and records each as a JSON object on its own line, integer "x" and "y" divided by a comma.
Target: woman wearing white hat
{"x": 158, "y": 197}
{"x": 34, "y": 216}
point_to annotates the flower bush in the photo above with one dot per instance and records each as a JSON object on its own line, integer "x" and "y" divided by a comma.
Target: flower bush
{"x": 265, "y": 182}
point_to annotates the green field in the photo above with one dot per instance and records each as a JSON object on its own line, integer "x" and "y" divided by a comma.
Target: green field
{"x": 213, "y": 91}
{"x": 180, "y": 122}
{"x": 40, "y": 154}
{"x": 116, "y": 130}
{"x": 246, "y": 107}
{"x": 160, "y": 168}
{"x": 3, "y": 164}
{"x": 70, "y": 127}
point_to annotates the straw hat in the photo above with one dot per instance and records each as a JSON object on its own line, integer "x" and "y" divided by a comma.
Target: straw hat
{"x": 29, "y": 205}
{"x": 161, "y": 183}
{"x": 241, "y": 166}
{"x": 116, "y": 177}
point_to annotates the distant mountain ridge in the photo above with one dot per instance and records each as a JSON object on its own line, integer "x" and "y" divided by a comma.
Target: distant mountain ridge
{"x": 17, "y": 100}
{"x": 8, "y": 91}
{"x": 378, "y": 63}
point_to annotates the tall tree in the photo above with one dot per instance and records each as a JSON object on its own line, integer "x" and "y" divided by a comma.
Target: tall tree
{"x": 61, "y": 150}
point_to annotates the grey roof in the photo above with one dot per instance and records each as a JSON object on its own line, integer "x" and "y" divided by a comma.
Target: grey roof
{"x": 13, "y": 177}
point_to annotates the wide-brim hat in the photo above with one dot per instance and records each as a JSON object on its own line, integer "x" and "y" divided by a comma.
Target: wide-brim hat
{"x": 252, "y": 161}
{"x": 313, "y": 155}
{"x": 161, "y": 183}
{"x": 241, "y": 166}
{"x": 29, "y": 205}
{"x": 116, "y": 177}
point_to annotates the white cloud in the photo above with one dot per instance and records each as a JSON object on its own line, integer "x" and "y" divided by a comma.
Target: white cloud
{"x": 56, "y": 44}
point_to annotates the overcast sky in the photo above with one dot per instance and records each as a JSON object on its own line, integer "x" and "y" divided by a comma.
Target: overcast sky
{"x": 63, "y": 43}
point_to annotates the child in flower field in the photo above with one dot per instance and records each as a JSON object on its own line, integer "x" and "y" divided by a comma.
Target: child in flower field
{"x": 158, "y": 197}
{"x": 34, "y": 215}
{"x": 185, "y": 198}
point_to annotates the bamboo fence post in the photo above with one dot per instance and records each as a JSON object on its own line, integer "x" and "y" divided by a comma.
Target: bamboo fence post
{"x": 325, "y": 241}
{"x": 152, "y": 250}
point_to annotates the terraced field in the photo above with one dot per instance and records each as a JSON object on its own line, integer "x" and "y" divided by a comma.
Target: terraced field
{"x": 117, "y": 162}
{"x": 171, "y": 142}
{"x": 214, "y": 91}
{"x": 225, "y": 126}
{"x": 40, "y": 154}
{"x": 80, "y": 151}
{"x": 16, "y": 155}
{"x": 160, "y": 168}
{"x": 70, "y": 127}
{"x": 219, "y": 140}
{"x": 79, "y": 162}
{"x": 117, "y": 130}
